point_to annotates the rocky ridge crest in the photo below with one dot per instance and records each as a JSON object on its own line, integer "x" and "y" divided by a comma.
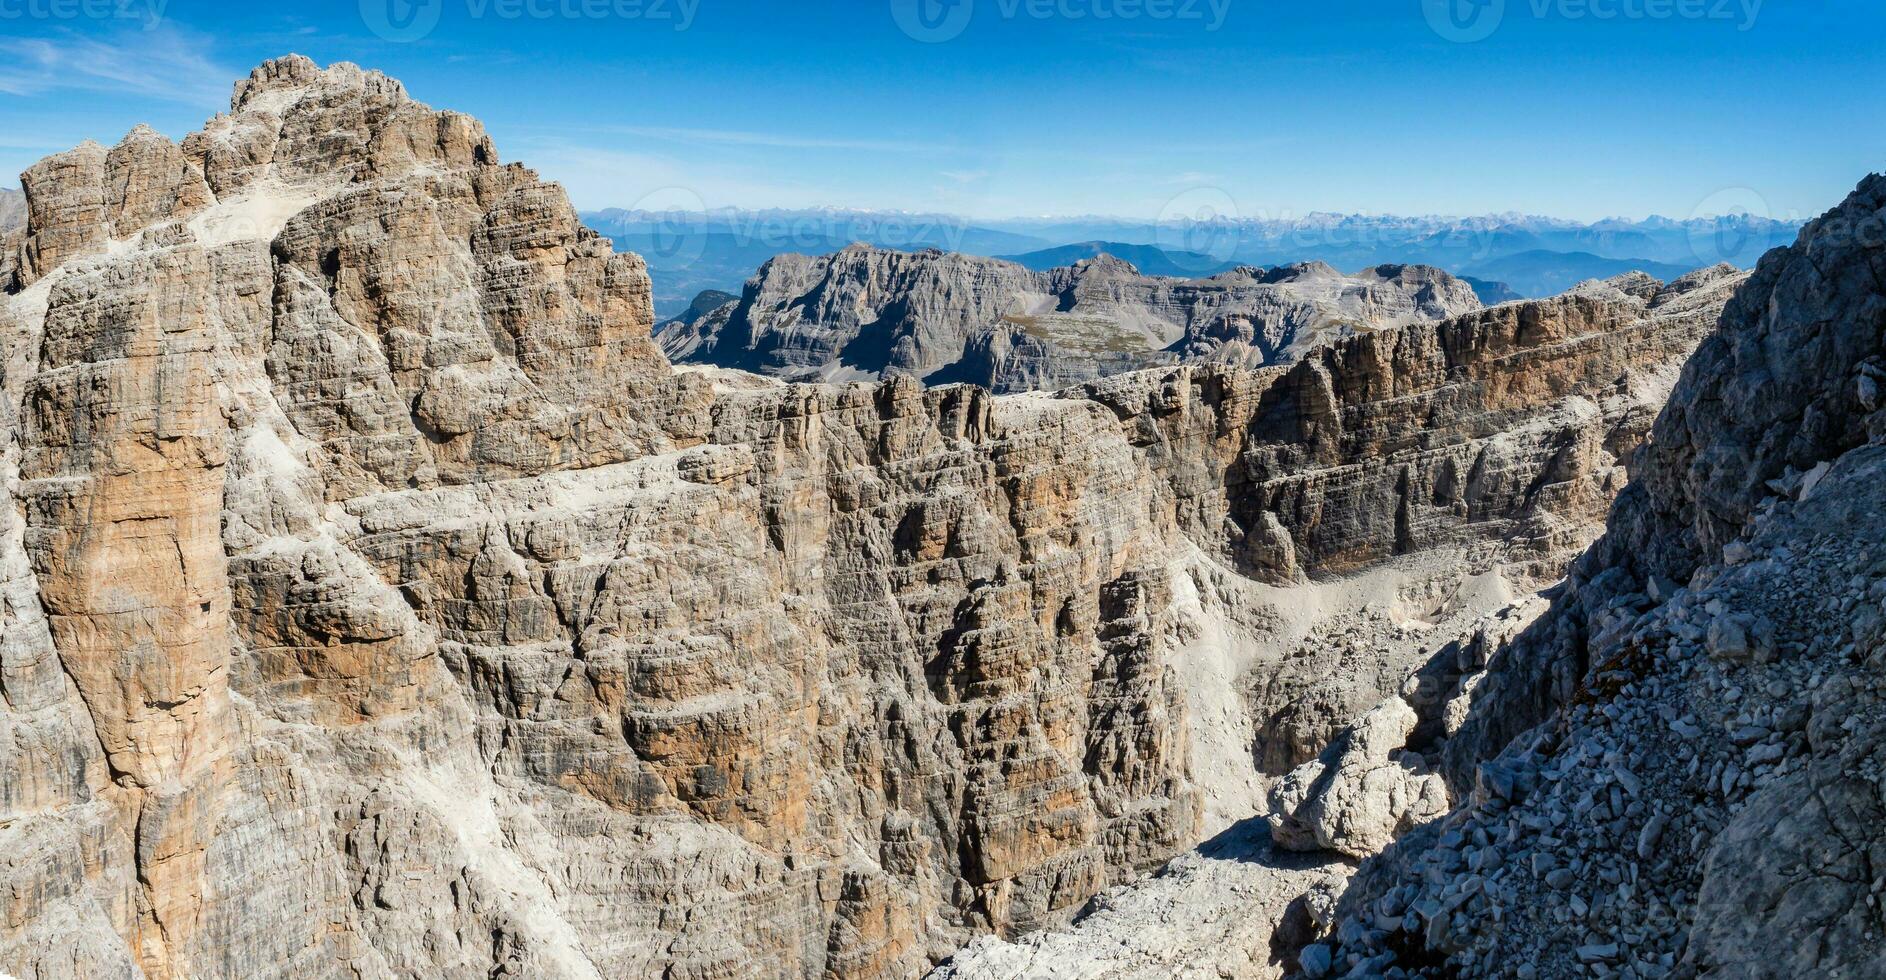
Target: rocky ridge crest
{"x": 868, "y": 312}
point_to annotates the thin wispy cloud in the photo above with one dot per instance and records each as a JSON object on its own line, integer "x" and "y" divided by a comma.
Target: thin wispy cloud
{"x": 1192, "y": 177}
{"x": 729, "y": 137}
{"x": 161, "y": 64}
{"x": 597, "y": 177}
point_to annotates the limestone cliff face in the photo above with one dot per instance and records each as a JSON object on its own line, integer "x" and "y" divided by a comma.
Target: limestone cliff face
{"x": 1676, "y": 770}
{"x": 1510, "y": 427}
{"x": 867, "y": 312}
{"x": 378, "y": 602}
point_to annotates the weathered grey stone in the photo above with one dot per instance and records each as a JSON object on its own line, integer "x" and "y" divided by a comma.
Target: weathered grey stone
{"x": 12, "y": 210}
{"x": 1359, "y": 796}
{"x": 869, "y": 312}
{"x": 1745, "y": 704}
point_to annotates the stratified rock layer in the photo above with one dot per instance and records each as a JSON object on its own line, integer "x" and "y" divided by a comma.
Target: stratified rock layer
{"x": 378, "y": 602}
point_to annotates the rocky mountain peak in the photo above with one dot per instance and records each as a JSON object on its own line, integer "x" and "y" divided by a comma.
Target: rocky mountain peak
{"x": 278, "y": 83}
{"x": 297, "y": 132}
{"x": 1106, "y": 264}
{"x": 1295, "y": 271}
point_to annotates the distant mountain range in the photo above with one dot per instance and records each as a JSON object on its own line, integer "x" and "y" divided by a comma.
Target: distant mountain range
{"x": 865, "y": 312}
{"x": 1506, "y": 256}
{"x": 1349, "y": 240}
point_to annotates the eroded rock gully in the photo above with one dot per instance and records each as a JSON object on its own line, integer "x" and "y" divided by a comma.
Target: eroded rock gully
{"x": 378, "y": 602}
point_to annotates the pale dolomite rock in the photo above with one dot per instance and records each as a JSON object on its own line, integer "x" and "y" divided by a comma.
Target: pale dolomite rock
{"x": 378, "y": 602}
{"x": 1363, "y": 793}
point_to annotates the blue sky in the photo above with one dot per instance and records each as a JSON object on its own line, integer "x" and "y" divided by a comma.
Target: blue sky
{"x": 1574, "y": 108}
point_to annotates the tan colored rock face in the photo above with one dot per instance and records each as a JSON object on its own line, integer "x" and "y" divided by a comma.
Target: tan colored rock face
{"x": 84, "y": 197}
{"x": 379, "y": 602}
{"x": 66, "y": 212}
{"x": 122, "y": 487}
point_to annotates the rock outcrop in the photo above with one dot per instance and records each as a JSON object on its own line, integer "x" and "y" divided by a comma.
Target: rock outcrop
{"x": 12, "y": 209}
{"x": 378, "y": 602}
{"x": 1676, "y": 770}
{"x": 866, "y": 312}
{"x": 1366, "y": 791}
